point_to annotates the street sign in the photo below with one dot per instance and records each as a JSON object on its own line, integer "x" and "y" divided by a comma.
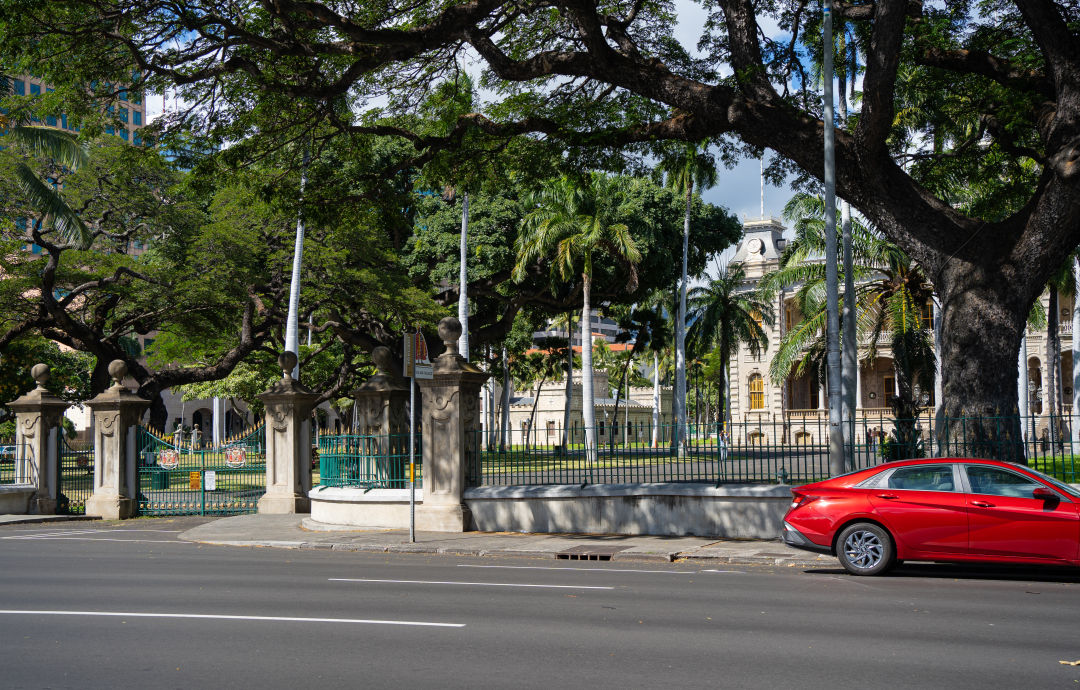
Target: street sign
{"x": 417, "y": 361}
{"x": 211, "y": 480}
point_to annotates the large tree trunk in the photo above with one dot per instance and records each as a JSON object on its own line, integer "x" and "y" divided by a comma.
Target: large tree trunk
{"x": 983, "y": 318}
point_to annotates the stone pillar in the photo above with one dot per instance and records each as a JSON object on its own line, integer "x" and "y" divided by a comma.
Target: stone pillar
{"x": 38, "y": 416}
{"x": 288, "y": 443}
{"x": 382, "y": 412}
{"x": 116, "y": 414}
{"x": 450, "y": 422}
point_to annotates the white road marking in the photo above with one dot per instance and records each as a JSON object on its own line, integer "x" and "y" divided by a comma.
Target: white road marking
{"x": 129, "y": 541}
{"x": 740, "y": 572}
{"x": 287, "y": 619}
{"x": 475, "y": 584}
{"x": 586, "y": 570}
{"x": 68, "y": 532}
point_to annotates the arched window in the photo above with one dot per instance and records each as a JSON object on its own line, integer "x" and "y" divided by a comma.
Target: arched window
{"x": 757, "y": 392}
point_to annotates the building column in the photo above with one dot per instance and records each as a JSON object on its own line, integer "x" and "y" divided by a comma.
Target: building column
{"x": 451, "y": 422}
{"x": 288, "y": 443}
{"x": 38, "y": 417}
{"x": 116, "y": 414}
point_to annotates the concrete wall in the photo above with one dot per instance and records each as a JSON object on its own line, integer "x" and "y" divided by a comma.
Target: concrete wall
{"x": 749, "y": 512}
{"x": 15, "y": 499}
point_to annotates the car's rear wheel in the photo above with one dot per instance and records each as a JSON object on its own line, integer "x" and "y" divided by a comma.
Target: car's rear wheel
{"x": 865, "y": 549}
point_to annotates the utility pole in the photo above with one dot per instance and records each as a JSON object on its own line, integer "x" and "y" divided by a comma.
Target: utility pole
{"x": 292, "y": 336}
{"x": 463, "y": 299}
{"x": 837, "y": 464}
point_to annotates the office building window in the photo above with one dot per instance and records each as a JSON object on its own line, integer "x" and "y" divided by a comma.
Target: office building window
{"x": 20, "y": 87}
{"x": 136, "y": 118}
{"x": 35, "y": 90}
{"x": 51, "y": 120}
{"x": 124, "y": 134}
{"x": 123, "y": 113}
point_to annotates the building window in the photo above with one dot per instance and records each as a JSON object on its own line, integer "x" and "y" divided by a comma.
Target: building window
{"x": 35, "y": 90}
{"x": 757, "y": 392}
{"x": 889, "y": 384}
{"x": 20, "y": 87}
{"x": 928, "y": 314}
{"x": 123, "y": 113}
{"x": 136, "y": 118}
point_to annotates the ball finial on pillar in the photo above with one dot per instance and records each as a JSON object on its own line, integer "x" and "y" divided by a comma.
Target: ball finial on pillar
{"x": 384, "y": 360}
{"x": 41, "y": 374}
{"x": 287, "y": 361}
{"x": 118, "y": 370}
{"x": 450, "y": 331}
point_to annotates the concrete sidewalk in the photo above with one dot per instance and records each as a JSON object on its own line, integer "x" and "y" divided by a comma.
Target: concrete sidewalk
{"x": 299, "y": 532}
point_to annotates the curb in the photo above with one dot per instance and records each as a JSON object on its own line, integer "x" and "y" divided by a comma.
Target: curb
{"x": 656, "y": 557}
{"x": 38, "y": 519}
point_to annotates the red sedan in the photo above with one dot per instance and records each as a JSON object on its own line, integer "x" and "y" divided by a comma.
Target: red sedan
{"x": 940, "y": 509}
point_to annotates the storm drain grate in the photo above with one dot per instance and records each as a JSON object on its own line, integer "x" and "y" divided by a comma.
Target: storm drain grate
{"x": 589, "y": 553}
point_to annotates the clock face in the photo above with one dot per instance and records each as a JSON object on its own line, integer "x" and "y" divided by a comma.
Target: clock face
{"x": 756, "y": 246}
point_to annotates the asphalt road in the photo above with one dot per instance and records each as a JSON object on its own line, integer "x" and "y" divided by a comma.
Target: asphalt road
{"x": 97, "y": 605}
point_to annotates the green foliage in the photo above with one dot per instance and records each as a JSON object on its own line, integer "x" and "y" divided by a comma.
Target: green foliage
{"x": 70, "y": 371}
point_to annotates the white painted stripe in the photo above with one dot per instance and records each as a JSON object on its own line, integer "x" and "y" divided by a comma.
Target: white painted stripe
{"x": 584, "y": 570}
{"x": 38, "y": 535}
{"x": 128, "y": 541}
{"x": 740, "y": 572}
{"x": 474, "y": 584}
{"x": 286, "y": 619}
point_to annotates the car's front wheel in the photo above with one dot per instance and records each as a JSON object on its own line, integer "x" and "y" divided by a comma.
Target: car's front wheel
{"x": 865, "y": 549}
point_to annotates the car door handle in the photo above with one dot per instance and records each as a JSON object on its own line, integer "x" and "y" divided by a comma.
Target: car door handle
{"x": 982, "y": 504}
{"x": 890, "y": 496}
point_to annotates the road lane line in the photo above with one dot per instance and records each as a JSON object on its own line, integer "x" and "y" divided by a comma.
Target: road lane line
{"x": 128, "y": 541}
{"x": 585, "y": 570}
{"x": 286, "y": 619}
{"x": 475, "y": 584}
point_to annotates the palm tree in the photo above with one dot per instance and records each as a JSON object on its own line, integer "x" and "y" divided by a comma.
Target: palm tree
{"x": 684, "y": 167}
{"x": 571, "y": 223}
{"x": 65, "y": 151}
{"x": 890, "y": 296}
{"x": 724, "y": 314}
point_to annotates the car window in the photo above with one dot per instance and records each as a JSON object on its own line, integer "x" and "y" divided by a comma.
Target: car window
{"x": 994, "y": 481}
{"x": 923, "y": 478}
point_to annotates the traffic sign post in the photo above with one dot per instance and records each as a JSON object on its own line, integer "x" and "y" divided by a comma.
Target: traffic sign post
{"x": 417, "y": 366}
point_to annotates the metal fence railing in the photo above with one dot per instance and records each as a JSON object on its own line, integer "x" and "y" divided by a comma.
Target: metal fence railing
{"x": 76, "y": 473}
{"x": 9, "y": 456}
{"x": 178, "y": 477}
{"x": 792, "y": 451}
{"x": 367, "y": 461}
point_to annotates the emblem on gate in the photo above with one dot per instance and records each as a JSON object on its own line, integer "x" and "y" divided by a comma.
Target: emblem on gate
{"x": 235, "y": 457}
{"x": 168, "y": 459}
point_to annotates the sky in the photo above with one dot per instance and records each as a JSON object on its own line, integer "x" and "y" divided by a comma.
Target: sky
{"x": 738, "y": 188}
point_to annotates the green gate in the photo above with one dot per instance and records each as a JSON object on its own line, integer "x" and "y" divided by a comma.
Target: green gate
{"x": 189, "y": 479}
{"x": 76, "y": 480}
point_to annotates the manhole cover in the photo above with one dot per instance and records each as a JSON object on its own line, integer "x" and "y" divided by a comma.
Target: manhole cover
{"x": 590, "y": 552}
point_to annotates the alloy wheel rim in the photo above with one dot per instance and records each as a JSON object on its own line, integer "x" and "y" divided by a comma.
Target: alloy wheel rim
{"x": 863, "y": 549}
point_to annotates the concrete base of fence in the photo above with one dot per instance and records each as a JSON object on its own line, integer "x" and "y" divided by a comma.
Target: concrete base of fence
{"x": 677, "y": 509}
{"x": 15, "y": 499}
{"x": 746, "y": 512}
{"x": 388, "y": 508}
{"x": 110, "y": 506}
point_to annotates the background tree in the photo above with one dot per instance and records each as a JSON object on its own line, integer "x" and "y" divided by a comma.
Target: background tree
{"x": 573, "y": 223}
{"x": 724, "y": 314}
{"x": 684, "y": 167}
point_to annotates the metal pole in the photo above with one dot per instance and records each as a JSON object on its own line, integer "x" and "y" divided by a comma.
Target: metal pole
{"x": 412, "y": 460}
{"x": 292, "y": 338}
{"x": 463, "y": 300}
{"x": 832, "y": 293}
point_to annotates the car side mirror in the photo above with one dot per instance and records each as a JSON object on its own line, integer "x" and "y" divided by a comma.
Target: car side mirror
{"x": 1045, "y": 494}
